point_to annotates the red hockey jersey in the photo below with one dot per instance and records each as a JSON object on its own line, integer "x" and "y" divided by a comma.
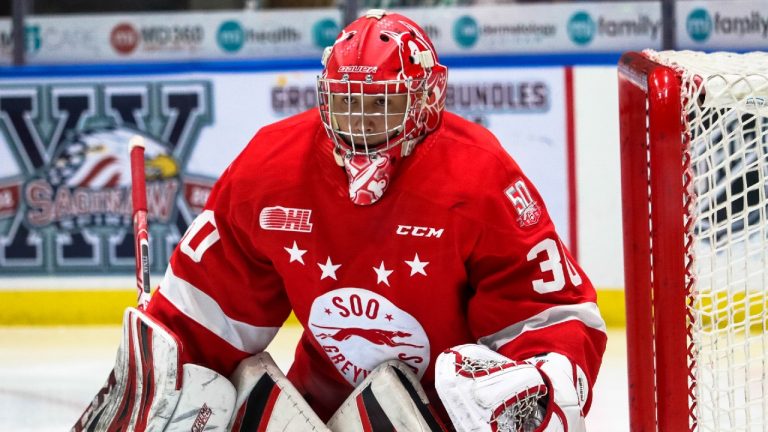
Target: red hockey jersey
{"x": 460, "y": 249}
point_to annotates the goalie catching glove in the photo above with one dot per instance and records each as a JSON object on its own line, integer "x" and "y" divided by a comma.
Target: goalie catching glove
{"x": 483, "y": 390}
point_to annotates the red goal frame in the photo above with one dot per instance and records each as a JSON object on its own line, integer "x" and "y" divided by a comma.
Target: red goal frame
{"x": 654, "y": 184}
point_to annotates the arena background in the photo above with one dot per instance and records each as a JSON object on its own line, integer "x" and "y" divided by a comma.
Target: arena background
{"x": 540, "y": 76}
{"x": 197, "y": 78}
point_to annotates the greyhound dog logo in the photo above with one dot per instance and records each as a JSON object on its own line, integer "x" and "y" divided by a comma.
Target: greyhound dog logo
{"x": 374, "y": 336}
{"x": 359, "y": 329}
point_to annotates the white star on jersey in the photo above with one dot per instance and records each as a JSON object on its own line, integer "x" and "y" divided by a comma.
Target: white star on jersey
{"x": 417, "y": 266}
{"x": 296, "y": 253}
{"x": 329, "y": 269}
{"x": 382, "y": 274}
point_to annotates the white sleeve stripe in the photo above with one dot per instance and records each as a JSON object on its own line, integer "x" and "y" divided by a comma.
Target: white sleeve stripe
{"x": 204, "y": 310}
{"x": 586, "y": 313}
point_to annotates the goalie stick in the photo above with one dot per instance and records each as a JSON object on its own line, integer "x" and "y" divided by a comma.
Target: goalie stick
{"x": 140, "y": 225}
{"x": 141, "y": 245}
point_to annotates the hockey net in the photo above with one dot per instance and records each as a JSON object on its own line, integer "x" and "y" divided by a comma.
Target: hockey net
{"x": 696, "y": 238}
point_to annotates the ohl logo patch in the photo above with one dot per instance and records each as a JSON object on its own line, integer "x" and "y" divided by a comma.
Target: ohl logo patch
{"x": 65, "y": 207}
{"x": 359, "y": 329}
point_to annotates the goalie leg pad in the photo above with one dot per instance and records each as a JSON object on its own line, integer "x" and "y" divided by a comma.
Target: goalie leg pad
{"x": 145, "y": 381}
{"x": 267, "y": 401}
{"x": 390, "y": 398}
{"x": 149, "y": 390}
{"x": 206, "y": 402}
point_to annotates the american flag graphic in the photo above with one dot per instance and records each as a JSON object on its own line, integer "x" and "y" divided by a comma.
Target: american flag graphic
{"x": 97, "y": 159}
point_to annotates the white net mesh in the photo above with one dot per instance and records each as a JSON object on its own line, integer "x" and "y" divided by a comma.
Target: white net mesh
{"x": 523, "y": 415}
{"x": 725, "y": 103}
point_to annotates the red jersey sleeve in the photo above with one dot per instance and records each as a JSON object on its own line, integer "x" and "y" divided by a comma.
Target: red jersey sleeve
{"x": 222, "y": 298}
{"x": 530, "y": 296}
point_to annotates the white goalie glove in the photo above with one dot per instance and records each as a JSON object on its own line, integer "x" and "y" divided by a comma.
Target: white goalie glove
{"x": 149, "y": 389}
{"x": 483, "y": 390}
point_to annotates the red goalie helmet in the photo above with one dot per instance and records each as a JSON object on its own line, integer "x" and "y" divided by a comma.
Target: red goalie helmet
{"x": 381, "y": 91}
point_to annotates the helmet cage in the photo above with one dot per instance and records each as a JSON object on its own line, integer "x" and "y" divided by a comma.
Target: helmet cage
{"x": 349, "y": 142}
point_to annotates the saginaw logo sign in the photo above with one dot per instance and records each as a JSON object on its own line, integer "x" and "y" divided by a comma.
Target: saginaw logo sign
{"x": 70, "y": 208}
{"x": 359, "y": 329}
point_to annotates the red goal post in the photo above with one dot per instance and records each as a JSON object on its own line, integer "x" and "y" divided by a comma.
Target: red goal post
{"x": 652, "y": 139}
{"x": 694, "y": 155}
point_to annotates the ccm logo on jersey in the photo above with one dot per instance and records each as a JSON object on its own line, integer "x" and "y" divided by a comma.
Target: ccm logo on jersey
{"x": 528, "y": 212}
{"x": 285, "y": 219}
{"x": 418, "y": 231}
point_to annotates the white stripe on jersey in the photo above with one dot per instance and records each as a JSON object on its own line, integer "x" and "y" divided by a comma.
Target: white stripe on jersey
{"x": 586, "y": 313}
{"x": 204, "y": 310}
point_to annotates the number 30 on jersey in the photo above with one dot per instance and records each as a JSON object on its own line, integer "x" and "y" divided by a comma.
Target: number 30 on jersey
{"x": 553, "y": 263}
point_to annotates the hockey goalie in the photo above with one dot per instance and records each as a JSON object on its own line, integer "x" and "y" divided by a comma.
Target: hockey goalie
{"x": 432, "y": 287}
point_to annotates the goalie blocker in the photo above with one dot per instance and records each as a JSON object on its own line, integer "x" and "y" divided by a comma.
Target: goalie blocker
{"x": 150, "y": 390}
